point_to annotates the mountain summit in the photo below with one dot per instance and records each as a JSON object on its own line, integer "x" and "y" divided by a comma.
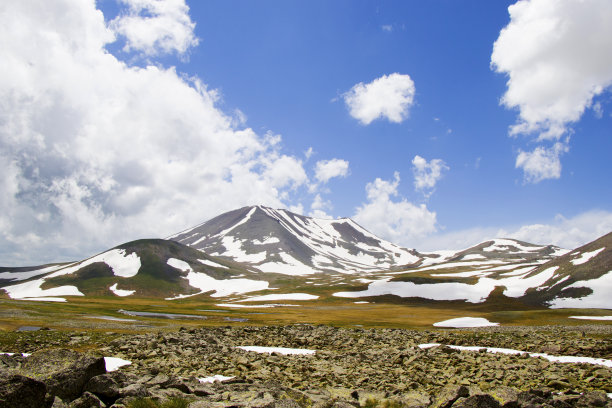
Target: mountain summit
{"x": 280, "y": 241}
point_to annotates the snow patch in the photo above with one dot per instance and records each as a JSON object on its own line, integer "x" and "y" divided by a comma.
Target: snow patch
{"x": 224, "y": 287}
{"x": 211, "y": 263}
{"x": 280, "y": 296}
{"x": 466, "y": 322}
{"x": 279, "y": 350}
{"x": 19, "y": 276}
{"x": 516, "y": 286}
{"x": 121, "y": 292}
{"x": 586, "y": 256}
{"x": 591, "y": 317}
{"x": 599, "y": 299}
{"x": 555, "y": 359}
{"x": 255, "y": 306}
{"x": 214, "y": 378}
{"x": 113, "y": 363}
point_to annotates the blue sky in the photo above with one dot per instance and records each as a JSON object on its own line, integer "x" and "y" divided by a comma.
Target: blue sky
{"x": 167, "y": 113}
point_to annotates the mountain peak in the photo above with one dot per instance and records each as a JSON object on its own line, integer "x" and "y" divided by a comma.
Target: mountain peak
{"x": 280, "y": 241}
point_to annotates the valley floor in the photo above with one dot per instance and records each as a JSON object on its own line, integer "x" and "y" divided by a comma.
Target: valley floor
{"x": 354, "y": 366}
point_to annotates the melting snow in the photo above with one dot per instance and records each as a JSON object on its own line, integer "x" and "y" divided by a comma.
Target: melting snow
{"x": 288, "y": 266}
{"x": 233, "y": 248}
{"x": 32, "y": 289}
{"x": 557, "y": 359}
{"x": 19, "y": 276}
{"x": 466, "y": 322}
{"x": 211, "y": 263}
{"x": 586, "y": 256}
{"x": 515, "y": 287}
{"x": 46, "y": 299}
{"x": 255, "y": 306}
{"x": 113, "y": 363}
{"x": 121, "y": 292}
{"x": 280, "y": 296}
{"x": 599, "y": 299}
{"x": 221, "y": 288}
{"x": 266, "y": 240}
{"x": 279, "y": 350}
{"x": 591, "y": 317}
{"x": 214, "y": 378}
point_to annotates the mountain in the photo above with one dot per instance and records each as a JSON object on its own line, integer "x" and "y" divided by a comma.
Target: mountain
{"x": 257, "y": 254}
{"x": 144, "y": 268}
{"x": 280, "y": 241}
{"x": 581, "y": 278}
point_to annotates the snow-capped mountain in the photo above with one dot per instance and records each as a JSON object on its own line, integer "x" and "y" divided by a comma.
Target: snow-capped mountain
{"x": 245, "y": 256}
{"x": 146, "y": 268}
{"x": 279, "y": 241}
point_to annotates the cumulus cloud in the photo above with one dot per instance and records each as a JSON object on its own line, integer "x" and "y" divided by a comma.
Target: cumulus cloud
{"x": 319, "y": 208}
{"x": 396, "y": 220}
{"x": 96, "y": 152}
{"x": 156, "y": 27}
{"x": 556, "y": 54}
{"x": 565, "y": 232}
{"x": 389, "y": 96}
{"x": 542, "y": 163}
{"x": 427, "y": 174}
{"x": 325, "y": 170}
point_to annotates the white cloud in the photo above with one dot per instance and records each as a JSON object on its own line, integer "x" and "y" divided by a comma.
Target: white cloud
{"x": 387, "y": 28}
{"x": 96, "y": 152}
{"x": 398, "y": 221}
{"x": 552, "y": 52}
{"x": 389, "y": 96}
{"x": 542, "y": 163}
{"x": 565, "y": 232}
{"x": 308, "y": 153}
{"x": 156, "y": 27}
{"x": 325, "y": 170}
{"x": 319, "y": 206}
{"x": 427, "y": 174}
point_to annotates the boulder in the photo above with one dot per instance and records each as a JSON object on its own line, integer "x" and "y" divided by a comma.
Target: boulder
{"x": 64, "y": 372}
{"x": 449, "y": 394}
{"x": 477, "y": 401}
{"x": 17, "y": 391}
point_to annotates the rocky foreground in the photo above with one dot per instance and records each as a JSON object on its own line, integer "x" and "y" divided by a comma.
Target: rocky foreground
{"x": 352, "y": 367}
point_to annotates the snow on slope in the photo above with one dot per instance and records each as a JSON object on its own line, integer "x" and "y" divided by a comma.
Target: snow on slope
{"x": 586, "y": 256}
{"x": 599, "y": 298}
{"x": 516, "y": 286}
{"x": 207, "y": 283}
{"x": 122, "y": 265}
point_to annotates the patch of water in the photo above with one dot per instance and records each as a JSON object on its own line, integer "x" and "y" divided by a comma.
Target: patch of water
{"x": 161, "y": 315}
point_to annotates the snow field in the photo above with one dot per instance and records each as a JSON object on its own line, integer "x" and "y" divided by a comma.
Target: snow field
{"x": 554, "y": 359}
{"x": 279, "y": 350}
{"x": 466, "y": 322}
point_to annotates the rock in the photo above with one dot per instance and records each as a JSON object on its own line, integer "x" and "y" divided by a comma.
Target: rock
{"x": 134, "y": 390}
{"x": 449, "y": 394}
{"x": 103, "y": 386}
{"x": 477, "y": 401}
{"x": 283, "y": 403}
{"x": 87, "y": 400}
{"x": 415, "y": 399}
{"x": 58, "y": 403}
{"x": 64, "y": 372}
{"x": 507, "y": 396}
{"x": 17, "y": 391}
{"x": 593, "y": 399}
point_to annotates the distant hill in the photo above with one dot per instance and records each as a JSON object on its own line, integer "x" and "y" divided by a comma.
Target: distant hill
{"x": 262, "y": 251}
